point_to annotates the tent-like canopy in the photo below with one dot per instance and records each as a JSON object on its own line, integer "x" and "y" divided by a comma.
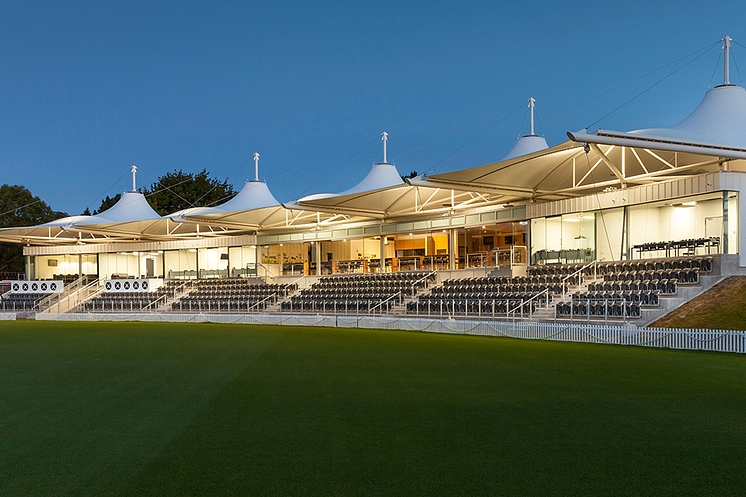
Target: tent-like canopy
{"x": 254, "y": 197}
{"x": 253, "y": 209}
{"x": 381, "y": 176}
{"x": 131, "y": 208}
{"x": 529, "y": 143}
{"x": 715, "y": 128}
{"x": 53, "y": 232}
{"x": 712, "y": 137}
{"x": 383, "y": 194}
{"x": 399, "y": 201}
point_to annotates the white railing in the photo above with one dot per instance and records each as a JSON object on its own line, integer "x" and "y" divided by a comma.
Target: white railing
{"x": 259, "y": 305}
{"x": 268, "y": 274}
{"x": 75, "y": 297}
{"x": 379, "y": 305}
{"x": 424, "y": 278}
{"x": 526, "y": 305}
{"x": 688, "y": 339}
{"x": 578, "y": 277}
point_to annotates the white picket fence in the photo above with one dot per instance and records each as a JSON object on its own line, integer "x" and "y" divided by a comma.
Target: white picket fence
{"x": 689, "y": 339}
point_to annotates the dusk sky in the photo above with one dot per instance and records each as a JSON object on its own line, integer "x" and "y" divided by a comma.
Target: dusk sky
{"x": 89, "y": 88}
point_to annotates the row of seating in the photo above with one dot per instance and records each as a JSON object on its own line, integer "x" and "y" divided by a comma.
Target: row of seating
{"x": 132, "y": 301}
{"x": 232, "y": 294}
{"x": 188, "y": 304}
{"x": 690, "y": 245}
{"x": 486, "y": 307}
{"x": 555, "y": 269}
{"x": 374, "y": 284}
{"x": 400, "y": 276}
{"x": 370, "y": 293}
{"x": 20, "y": 301}
{"x": 241, "y": 283}
{"x": 477, "y": 290}
{"x": 362, "y": 294}
{"x": 682, "y": 275}
{"x": 130, "y": 304}
{"x": 703, "y": 263}
{"x": 235, "y": 293}
{"x": 614, "y": 308}
{"x": 124, "y": 301}
{"x": 664, "y": 286}
{"x": 643, "y": 297}
{"x": 338, "y": 305}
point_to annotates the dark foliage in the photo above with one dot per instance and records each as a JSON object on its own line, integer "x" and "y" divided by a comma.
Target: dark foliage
{"x": 18, "y": 207}
{"x": 179, "y": 190}
{"x": 107, "y": 203}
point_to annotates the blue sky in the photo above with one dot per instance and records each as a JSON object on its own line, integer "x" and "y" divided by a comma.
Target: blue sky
{"x": 89, "y": 88}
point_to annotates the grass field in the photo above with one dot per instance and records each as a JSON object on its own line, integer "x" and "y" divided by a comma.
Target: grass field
{"x": 144, "y": 409}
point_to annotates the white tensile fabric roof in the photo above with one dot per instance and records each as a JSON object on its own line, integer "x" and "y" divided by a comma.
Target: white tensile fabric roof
{"x": 253, "y": 195}
{"x": 527, "y": 145}
{"x": 253, "y": 209}
{"x": 51, "y": 232}
{"x": 713, "y": 133}
{"x": 129, "y": 217}
{"x": 380, "y": 176}
{"x": 717, "y": 127}
{"x": 131, "y": 207}
{"x": 383, "y": 193}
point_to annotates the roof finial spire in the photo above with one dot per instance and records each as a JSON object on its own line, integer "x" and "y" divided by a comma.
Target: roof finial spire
{"x": 256, "y": 166}
{"x": 134, "y": 177}
{"x": 726, "y": 59}
{"x": 531, "y": 102}
{"x": 384, "y": 138}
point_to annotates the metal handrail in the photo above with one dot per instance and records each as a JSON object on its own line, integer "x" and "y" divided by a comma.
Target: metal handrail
{"x": 69, "y": 290}
{"x": 262, "y": 301}
{"x": 483, "y": 257}
{"x": 162, "y": 297}
{"x": 266, "y": 271}
{"x": 76, "y": 293}
{"x": 383, "y": 301}
{"x": 564, "y": 280}
{"x": 523, "y": 303}
{"x": 427, "y": 276}
{"x": 296, "y": 281}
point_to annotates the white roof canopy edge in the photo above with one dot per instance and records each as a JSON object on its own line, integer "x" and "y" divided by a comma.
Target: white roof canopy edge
{"x": 603, "y": 137}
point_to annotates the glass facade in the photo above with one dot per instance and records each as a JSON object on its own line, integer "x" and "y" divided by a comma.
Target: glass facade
{"x": 702, "y": 224}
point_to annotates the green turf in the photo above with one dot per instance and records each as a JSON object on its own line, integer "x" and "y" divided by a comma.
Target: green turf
{"x": 143, "y": 409}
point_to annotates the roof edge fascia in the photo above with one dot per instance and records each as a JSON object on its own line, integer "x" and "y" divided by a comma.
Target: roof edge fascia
{"x": 603, "y": 137}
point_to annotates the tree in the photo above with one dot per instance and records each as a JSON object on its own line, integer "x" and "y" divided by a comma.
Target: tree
{"x": 411, "y": 175}
{"x": 107, "y": 203}
{"x": 179, "y": 190}
{"x": 18, "y": 207}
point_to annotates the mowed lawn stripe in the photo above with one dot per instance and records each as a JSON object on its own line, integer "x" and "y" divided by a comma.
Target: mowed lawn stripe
{"x": 313, "y": 411}
{"x": 375, "y": 412}
{"x": 84, "y": 405}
